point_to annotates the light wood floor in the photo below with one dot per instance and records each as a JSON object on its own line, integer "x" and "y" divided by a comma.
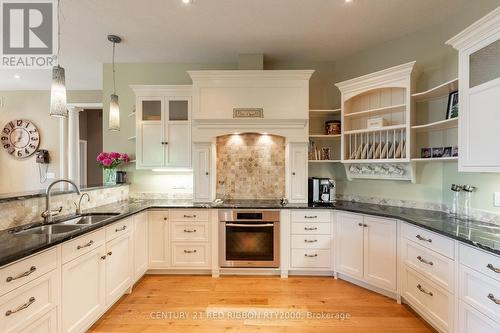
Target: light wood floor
{"x": 163, "y": 295}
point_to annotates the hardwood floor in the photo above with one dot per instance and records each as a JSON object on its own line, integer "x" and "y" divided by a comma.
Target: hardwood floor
{"x": 159, "y": 302}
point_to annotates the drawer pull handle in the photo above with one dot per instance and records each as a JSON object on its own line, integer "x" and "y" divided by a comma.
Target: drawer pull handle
{"x": 189, "y": 251}
{"x": 121, "y": 229}
{"x": 310, "y": 240}
{"x": 189, "y": 230}
{"x": 496, "y": 270}
{"x": 32, "y": 270}
{"x": 310, "y": 255}
{"x": 493, "y": 299}
{"x": 425, "y": 261}
{"x": 22, "y": 307}
{"x": 79, "y": 247}
{"x": 310, "y": 229}
{"x": 360, "y": 224}
{"x": 311, "y": 217}
{"x": 423, "y": 239}
{"x": 424, "y": 291}
{"x": 189, "y": 216}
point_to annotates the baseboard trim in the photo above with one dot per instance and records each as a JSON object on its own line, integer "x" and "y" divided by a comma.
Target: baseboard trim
{"x": 390, "y": 294}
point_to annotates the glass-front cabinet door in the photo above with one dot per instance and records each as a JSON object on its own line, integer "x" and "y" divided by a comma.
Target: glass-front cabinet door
{"x": 479, "y": 94}
{"x": 151, "y": 152}
{"x": 178, "y": 131}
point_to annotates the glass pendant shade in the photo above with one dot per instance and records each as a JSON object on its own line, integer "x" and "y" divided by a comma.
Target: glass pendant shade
{"x": 58, "y": 107}
{"x": 114, "y": 114}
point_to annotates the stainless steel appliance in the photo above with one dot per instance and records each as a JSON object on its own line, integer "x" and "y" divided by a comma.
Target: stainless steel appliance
{"x": 249, "y": 238}
{"x": 322, "y": 191}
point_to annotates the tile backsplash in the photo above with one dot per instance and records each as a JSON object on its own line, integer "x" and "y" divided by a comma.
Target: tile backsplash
{"x": 20, "y": 212}
{"x": 250, "y": 166}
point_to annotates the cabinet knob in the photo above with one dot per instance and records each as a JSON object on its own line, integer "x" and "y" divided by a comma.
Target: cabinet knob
{"x": 206, "y": 173}
{"x": 103, "y": 257}
{"x": 164, "y": 219}
{"x": 293, "y": 173}
{"x": 110, "y": 253}
{"x": 360, "y": 224}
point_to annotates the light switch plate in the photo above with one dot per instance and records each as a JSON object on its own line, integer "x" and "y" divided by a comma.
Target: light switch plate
{"x": 497, "y": 199}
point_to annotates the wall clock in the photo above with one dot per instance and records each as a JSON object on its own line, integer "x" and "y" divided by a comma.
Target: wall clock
{"x": 20, "y": 138}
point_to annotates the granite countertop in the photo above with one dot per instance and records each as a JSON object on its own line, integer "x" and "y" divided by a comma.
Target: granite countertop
{"x": 480, "y": 234}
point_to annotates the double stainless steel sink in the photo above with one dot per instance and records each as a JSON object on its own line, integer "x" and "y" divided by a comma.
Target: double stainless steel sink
{"x": 67, "y": 226}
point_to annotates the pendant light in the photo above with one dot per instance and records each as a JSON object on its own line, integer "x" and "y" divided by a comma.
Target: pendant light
{"x": 58, "y": 107}
{"x": 114, "y": 108}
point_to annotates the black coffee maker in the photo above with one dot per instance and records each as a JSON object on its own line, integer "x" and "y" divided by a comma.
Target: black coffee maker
{"x": 321, "y": 191}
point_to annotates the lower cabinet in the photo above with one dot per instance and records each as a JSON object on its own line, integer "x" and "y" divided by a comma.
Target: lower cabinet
{"x": 46, "y": 324}
{"x": 473, "y": 321}
{"x": 367, "y": 249}
{"x": 141, "y": 245}
{"x": 83, "y": 290}
{"x": 118, "y": 267}
{"x": 159, "y": 239}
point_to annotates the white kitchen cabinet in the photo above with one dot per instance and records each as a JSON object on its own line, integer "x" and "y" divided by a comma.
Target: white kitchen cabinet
{"x": 119, "y": 267}
{"x": 380, "y": 252}
{"x": 350, "y": 244}
{"x": 202, "y": 184}
{"x": 479, "y": 88}
{"x": 297, "y": 169}
{"x": 83, "y": 290}
{"x": 163, "y": 126}
{"x": 141, "y": 245}
{"x": 45, "y": 324}
{"x": 159, "y": 239}
{"x": 367, "y": 249}
{"x": 472, "y": 321}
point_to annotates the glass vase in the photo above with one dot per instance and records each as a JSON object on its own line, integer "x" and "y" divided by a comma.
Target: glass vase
{"x": 109, "y": 176}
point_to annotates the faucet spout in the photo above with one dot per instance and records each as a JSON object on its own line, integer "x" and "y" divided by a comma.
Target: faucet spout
{"x": 48, "y": 213}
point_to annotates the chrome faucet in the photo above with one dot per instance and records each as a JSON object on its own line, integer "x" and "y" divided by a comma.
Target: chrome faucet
{"x": 79, "y": 206}
{"x": 48, "y": 213}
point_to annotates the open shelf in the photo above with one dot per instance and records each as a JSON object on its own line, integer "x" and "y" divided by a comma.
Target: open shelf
{"x": 324, "y": 161}
{"x": 437, "y": 91}
{"x": 385, "y": 160}
{"x": 324, "y": 112}
{"x": 436, "y": 159}
{"x": 132, "y": 138}
{"x": 324, "y": 136}
{"x": 375, "y": 111}
{"x": 437, "y": 126}
{"x": 380, "y": 129}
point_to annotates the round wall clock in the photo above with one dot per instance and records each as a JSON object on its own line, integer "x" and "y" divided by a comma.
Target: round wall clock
{"x": 20, "y": 138}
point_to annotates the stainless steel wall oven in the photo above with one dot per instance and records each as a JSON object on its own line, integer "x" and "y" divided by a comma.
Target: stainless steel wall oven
{"x": 249, "y": 238}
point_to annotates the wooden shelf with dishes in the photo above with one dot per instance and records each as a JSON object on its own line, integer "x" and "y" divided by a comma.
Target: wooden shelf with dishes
{"x": 435, "y": 124}
{"x": 324, "y": 135}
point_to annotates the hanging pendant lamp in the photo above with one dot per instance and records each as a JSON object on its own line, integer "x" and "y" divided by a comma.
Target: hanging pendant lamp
{"x": 58, "y": 107}
{"x": 114, "y": 108}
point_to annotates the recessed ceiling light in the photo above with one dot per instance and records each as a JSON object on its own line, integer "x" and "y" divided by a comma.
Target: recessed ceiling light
{"x": 187, "y": 2}
{"x": 17, "y": 76}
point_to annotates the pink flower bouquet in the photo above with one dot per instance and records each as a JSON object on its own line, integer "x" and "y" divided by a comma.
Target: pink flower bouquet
{"x": 111, "y": 160}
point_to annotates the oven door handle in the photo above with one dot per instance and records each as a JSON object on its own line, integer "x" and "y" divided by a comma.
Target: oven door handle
{"x": 249, "y": 225}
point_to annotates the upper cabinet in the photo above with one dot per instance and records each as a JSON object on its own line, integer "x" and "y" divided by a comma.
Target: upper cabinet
{"x": 163, "y": 126}
{"x": 479, "y": 91}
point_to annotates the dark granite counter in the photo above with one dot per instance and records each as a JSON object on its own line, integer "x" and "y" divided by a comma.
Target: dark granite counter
{"x": 480, "y": 234}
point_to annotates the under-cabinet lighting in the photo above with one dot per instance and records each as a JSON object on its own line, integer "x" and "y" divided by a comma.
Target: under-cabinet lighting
{"x": 170, "y": 170}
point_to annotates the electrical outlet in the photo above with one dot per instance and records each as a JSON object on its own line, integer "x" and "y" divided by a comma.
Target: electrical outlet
{"x": 497, "y": 199}
{"x": 51, "y": 175}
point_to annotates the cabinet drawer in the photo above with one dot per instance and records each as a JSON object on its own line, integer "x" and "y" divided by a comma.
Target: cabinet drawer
{"x": 82, "y": 245}
{"x": 432, "y": 265}
{"x": 189, "y": 215}
{"x": 485, "y": 263}
{"x": 430, "y": 240}
{"x": 46, "y": 324}
{"x": 190, "y": 255}
{"x": 311, "y": 242}
{"x": 119, "y": 228}
{"x": 301, "y": 258}
{"x": 27, "y": 270}
{"x": 434, "y": 302}
{"x": 472, "y": 321}
{"x": 301, "y": 228}
{"x": 481, "y": 292}
{"x": 24, "y": 305}
{"x": 311, "y": 216}
{"x": 189, "y": 231}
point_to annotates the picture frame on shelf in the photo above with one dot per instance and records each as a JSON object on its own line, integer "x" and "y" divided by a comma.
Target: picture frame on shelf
{"x": 447, "y": 152}
{"x": 426, "y": 153}
{"x": 452, "y": 108}
{"x": 437, "y": 152}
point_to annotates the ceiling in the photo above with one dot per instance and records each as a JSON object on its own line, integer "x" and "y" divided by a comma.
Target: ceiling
{"x": 218, "y": 30}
